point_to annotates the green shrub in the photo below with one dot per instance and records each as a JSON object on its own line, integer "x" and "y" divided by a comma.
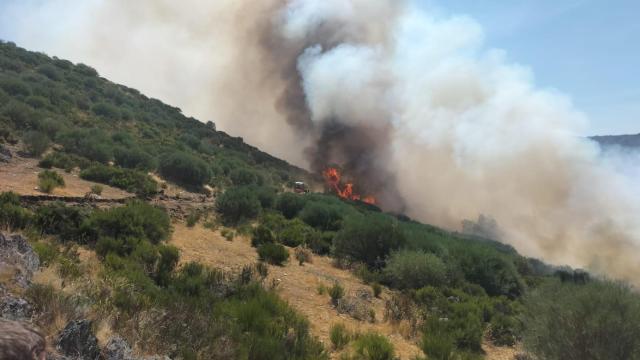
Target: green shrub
{"x": 597, "y": 320}
{"x": 290, "y": 204}
{"x": 193, "y": 217}
{"x": 321, "y": 216}
{"x": 336, "y": 292}
{"x": 59, "y": 219}
{"x": 63, "y": 161}
{"x": 184, "y": 168}
{"x": 68, "y": 268}
{"x": 97, "y": 189}
{"x": 368, "y": 239}
{"x": 274, "y": 254}
{"x": 408, "y": 269}
{"x": 377, "y": 289}
{"x": 371, "y": 346}
{"x": 36, "y": 143}
{"x": 438, "y": 345}
{"x": 49, "y": 180}
{"x": 132, "y": 157}
{"x": 339, "y": 336}
{"x": 320, "y": 243}
{"x": 237, "y": 205}
{"x": 504, "y": 330}
{"x": 12, "y": 214}
{"x": 137, "y": 220}
{"x": 47, "y": 253}
{"x": 245, "y": 176}
{"x": 130, "y": 180}
{"x": 295, "y": 233}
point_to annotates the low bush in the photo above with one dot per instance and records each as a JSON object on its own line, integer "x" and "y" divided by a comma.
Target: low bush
{"x": 336, "y": 292}
{"x": 368, "y": 239}
{"x": 290, "y": 204}
{"x": 372, "y": 346}
{"x": 12, "y": 214}
{"x": 238, "y": 204}
{"x": 49, "y": 180}
{"x": 130, "y": 180}
{"x": 339, "y": 336}
{"x": 35, "y": 142}
{"x": 408, "y": 269}
{"x": 322, "y": 216}
{"x": 137, "y": 220}
{"x": 597, "y": 320}
{"x": 59, "y": 219}
{"x": 274, "y": 254}
{"x": 63, "y": 161}
{"x": 295, "y": 233}
{"x": 184, "y": 169}
{"x": 377, "y": 290}
{"x": 97, "y": 189}
{"x": 262, "y": 235}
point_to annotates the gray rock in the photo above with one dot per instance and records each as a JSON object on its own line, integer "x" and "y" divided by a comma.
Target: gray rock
{"x": 16, "y": 254}
{"x": 15, "y": 308}
{"x": 117, "y": 348}
{"x": 5, "y": 154}
{"x": 77, "y": 341}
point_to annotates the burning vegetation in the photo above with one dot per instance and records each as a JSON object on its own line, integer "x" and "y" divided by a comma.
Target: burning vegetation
{"x": 345, "y": 189}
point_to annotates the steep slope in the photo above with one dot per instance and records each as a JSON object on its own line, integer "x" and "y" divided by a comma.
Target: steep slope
{"x": 627, "y": 141}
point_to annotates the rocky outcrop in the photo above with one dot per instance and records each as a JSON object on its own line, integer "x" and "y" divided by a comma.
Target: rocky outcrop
{"x": 77, "y": 341}
{"x": 18, "y": 258}
{"x": 15, "y": 308}
{"x": 5, "y": 154}
{"x": 117, "y": 348}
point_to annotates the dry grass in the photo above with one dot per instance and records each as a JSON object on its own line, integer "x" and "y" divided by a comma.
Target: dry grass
{"x": 296, "y": 284}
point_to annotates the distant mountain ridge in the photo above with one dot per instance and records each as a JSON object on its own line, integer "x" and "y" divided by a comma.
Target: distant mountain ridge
{"x": 628, "y": 141}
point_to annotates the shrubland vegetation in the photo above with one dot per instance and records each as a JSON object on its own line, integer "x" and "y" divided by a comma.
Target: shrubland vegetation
{"x": 454, "y": 288}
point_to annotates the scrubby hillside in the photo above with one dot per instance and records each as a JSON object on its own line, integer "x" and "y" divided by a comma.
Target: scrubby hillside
{"x": 199, "y": 264}
{"x": 626, "y": 141}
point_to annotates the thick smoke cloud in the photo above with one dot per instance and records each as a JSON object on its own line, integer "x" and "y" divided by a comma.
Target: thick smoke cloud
{"x": 408, "y": 100}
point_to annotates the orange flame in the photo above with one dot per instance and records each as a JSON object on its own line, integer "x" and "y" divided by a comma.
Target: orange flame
{"x": 333, "y": 179}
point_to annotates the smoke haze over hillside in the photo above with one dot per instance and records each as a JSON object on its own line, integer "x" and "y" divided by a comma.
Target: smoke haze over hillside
{"x": 408, "y": 100}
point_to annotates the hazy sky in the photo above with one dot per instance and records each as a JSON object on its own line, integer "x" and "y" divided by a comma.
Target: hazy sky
{"x": 588, "y": 49}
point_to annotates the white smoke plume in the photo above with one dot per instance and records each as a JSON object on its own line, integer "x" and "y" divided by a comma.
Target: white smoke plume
{"x": 455, "y": 129}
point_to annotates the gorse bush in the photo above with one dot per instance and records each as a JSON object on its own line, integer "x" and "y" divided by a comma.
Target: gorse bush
{"x": 339, "y": 336}
{"x": 372, "y": 346}
{"x": 237, "y": 205}
{"x": 368, "y": 239}
{"x": 407, "y": 269}
{"x": 137, "y": 220}
{"x": 59, "y": 219}
{"x": 49, "y": 180}
{"x": 275, "y": 254}
{"x": 290, "y": 204}
{"x": 184, "y": 169}
{"x": 12, "y": 215}
{"x": 36, "y": 143}
{"x": 129, "y": 180}
{"x": 336, "y": 292}
{"x": 597, "y": 320}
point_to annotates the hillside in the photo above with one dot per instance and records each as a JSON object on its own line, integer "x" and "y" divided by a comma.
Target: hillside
{"x": 171, "y": 238}
{"x": 626, "y": 141}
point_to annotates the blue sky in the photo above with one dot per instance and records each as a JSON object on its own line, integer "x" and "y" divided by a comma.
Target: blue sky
{"x": 588, "y": 49}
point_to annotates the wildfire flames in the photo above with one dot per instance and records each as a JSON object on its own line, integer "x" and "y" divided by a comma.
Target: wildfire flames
{"x": 333, "y": 179}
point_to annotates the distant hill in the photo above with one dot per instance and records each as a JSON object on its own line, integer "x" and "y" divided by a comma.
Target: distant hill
{"x": 628, "y": 141}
